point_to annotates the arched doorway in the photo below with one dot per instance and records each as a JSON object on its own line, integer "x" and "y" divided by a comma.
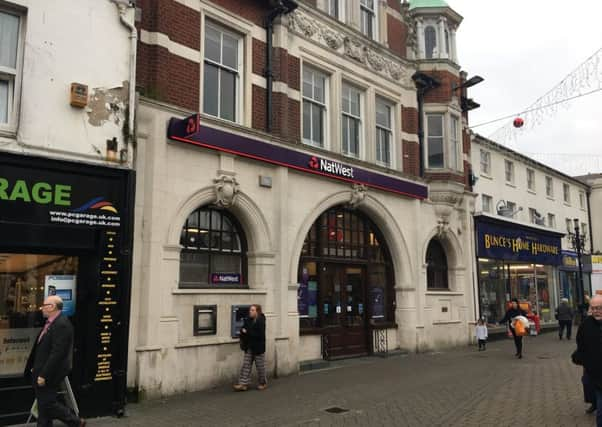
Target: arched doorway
{"x": 345, "y": 282}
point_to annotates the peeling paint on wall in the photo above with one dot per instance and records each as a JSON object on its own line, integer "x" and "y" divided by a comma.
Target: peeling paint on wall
{"x": 108, "y": 105}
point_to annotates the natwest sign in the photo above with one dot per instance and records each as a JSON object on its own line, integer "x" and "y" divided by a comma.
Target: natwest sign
{"x": 190, "y": 131}
{"x": 331, "y": 167}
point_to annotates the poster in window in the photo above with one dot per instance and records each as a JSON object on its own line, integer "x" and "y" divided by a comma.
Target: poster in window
{"x": 312, "y": 298}
{"x": 15, "y": 345}
{"x": 377, "y": 300}
{"x": 62, "y": 285}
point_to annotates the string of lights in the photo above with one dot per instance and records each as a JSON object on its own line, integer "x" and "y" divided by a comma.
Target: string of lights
{"x": 583, "y": 80}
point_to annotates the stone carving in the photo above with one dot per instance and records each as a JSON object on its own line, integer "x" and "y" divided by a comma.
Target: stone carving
{"x": 332, "y": 39}
{"x": 226, "y": 190}
{"x": 355, "y": 50}
{"x": 353, "y": 47}
{"x": 358, "y": 194}
{"x": 442, "y": 227}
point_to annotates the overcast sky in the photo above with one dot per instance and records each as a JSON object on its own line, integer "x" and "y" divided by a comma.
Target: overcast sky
{"x": 523, "y": 48}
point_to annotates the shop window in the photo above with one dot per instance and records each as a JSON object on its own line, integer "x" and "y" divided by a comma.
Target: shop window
{"x": 25, "y": 280}
{"x": 222, "y": 72}
{"x": 384, "y": 132}
{"x": 434, "y": 123}
{"x": 368, "y": 18}
{"x": 485, "y": 162}
{"x": 351, "y": 120}
{"x": 549, "y": 186}
{"x": 430, "y": 41}
{"x": 214, "y": 250}
{"x": 436, "y": 270}
{"x": 10, "y": 45}
{"x": 314, "y": 106}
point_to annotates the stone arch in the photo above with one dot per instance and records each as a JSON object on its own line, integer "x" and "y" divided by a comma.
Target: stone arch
{"x": 249, "y": 215}
{"x": 381, "y": 217}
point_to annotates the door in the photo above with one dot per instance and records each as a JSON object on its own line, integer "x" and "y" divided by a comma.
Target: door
{"x": 343, "y": 294}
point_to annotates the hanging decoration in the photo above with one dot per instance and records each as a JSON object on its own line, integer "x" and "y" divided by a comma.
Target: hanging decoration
{"x": 584, "y": 80}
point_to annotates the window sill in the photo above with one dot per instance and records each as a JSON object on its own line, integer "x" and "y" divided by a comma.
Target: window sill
{"x": 486, "y": 176}
{"x": 568, "y": 205}
{"x": 443, "y": 292}
{"x": 206, "y": 343}
{"x": 219, "y": 291}
{"x": 510, "y": 184}
{"x": 532, "y": 192}
{"x": 550, "y": 198}
{"x": 446, "y": 322}
{"x": 8, "y": 132}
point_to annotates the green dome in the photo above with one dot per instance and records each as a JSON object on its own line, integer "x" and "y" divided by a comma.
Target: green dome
{"x": 427, "y": 3}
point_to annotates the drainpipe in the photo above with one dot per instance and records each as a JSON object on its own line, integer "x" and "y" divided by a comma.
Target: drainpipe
{"x": 125, "y": 7}
{"x": 279, "y": 9}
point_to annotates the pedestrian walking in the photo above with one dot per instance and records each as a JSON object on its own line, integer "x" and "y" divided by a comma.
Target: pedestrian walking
{"x": 481, "y": 333}
{"x": 564, "y": 315}
{"x": 511, "y": 314}
{"x": 252, "y": 342}
{"x": 589, "y": 350}
{"x": 50, "y": 362}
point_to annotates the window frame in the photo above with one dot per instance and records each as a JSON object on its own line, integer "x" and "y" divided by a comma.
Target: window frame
{"x": 210, "y": 252}
{"x": 489, "y": 203}
{"x": 488, "y": 163}
{"x": 351, "y": 116}
{"x": 14, "y": 76}
{"x": 551, "y": 220}
{"x": 325, "y": 111}
{"x": 374, "y": 12}
{"x": 531, "y": 185}
{"x": 582, "y": 203}
{"x": 443, "y": 269}
{"x": 455, "y": 139}
{"x": 512, "y": 179}
{"x": 340, "y": 9}
{"x": 434, "y": 52}
{"x": 566, "y": 193}
{"x": 428, "y": 137}
{"x": 379, "y": 128}
{"x": 224, "y": 28}
{"x": 550, "y": 187}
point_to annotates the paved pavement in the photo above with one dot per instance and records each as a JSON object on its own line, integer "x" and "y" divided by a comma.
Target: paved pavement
{"x": 459, "y": 387}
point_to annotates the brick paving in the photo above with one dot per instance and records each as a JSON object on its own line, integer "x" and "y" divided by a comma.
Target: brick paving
{"x": 459, "y": 387}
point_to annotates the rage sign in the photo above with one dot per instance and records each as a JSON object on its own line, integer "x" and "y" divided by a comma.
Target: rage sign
{"x": 42, "y": 193}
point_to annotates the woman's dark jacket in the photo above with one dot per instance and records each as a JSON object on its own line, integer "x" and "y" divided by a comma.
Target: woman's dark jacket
{"x": 511, "y": 314}
{"x": 254, "y": 339}
{"x": 589, "y": 349}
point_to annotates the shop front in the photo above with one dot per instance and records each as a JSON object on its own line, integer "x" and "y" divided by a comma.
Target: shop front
{"x": 66, "y": 231}
{"x": 569, "y": 283}
{"x": 516, "y": 261}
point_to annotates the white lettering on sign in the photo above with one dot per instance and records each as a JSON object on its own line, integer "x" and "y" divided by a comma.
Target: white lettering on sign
{"x": 336, "y": 168}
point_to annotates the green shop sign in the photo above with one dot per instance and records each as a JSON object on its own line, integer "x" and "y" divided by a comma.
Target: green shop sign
{"x": 41, "y": 193}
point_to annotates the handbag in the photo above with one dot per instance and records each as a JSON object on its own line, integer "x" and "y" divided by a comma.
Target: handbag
{"x": 577, "y": 358}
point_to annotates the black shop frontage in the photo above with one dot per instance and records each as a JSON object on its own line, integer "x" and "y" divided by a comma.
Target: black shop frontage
{"x": 65, "y": 229}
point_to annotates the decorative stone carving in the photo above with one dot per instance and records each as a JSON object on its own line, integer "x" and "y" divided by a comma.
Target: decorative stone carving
{"x": 358, "y": 194}
{"x": 332, "y": 39}
{"x": 303, "y": 24}
{"x": 226, "y": 189}
{"x": 376, "y": 61}
{"x": 442, "y": 227}
{"x": 450, "y": 198}
{"x": 355, "y": 50}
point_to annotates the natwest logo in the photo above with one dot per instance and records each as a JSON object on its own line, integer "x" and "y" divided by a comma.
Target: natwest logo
{"x": 331, "y": 167}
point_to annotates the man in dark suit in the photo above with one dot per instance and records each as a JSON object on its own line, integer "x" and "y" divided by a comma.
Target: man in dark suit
{"x": 50, "y": 362}
{"x": 589, "y": 349}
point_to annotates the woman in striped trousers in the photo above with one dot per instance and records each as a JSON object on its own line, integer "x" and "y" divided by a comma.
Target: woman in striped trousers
{"x": 252, "y": 342}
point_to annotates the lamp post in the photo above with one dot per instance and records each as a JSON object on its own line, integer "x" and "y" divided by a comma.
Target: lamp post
{"x": 577, "y": 241}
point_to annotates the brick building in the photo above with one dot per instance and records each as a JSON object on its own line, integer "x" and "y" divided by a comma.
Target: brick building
{"x": 280, "y": 162}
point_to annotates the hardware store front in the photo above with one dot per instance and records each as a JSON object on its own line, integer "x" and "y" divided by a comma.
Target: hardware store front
{"x": 65, "y": 231}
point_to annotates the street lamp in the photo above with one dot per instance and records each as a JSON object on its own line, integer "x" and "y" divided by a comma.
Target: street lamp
{"x": 466, "y": 103}
{"x": 578, "y": 241}
{"x": 473, "y": 81}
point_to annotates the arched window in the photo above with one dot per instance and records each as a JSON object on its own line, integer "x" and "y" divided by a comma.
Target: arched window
{"x": 214, "y": 250}
{"x": 436, "y": 266}
{"x": 430, "y": 41}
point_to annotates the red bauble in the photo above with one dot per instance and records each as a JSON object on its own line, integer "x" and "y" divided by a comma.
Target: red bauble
{"x": 518, "y": 122}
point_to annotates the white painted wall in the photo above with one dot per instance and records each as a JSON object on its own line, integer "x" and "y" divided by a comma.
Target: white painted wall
{"x": 67, "y": 41}
{"x": 495, "y": 186}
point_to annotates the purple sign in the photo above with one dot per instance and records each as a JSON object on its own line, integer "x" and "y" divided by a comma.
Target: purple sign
{"x": 190, "y": 131}
{"x": 225, "y": 278}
